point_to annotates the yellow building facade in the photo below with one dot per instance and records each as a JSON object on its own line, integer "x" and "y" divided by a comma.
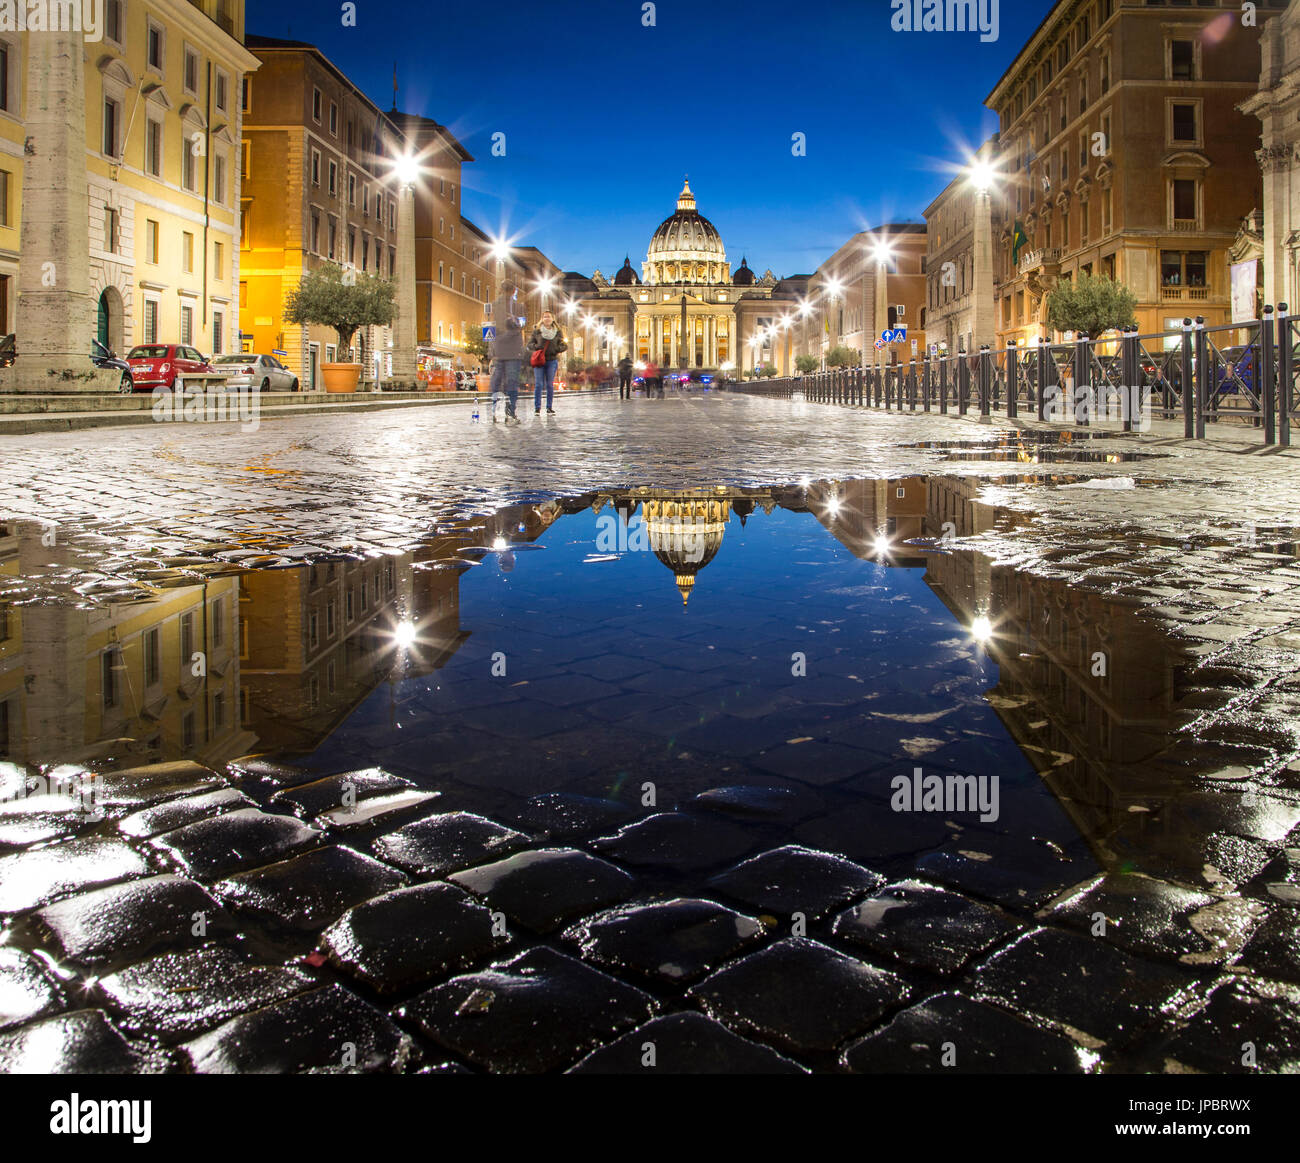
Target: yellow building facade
{"x": 162, "y": 111}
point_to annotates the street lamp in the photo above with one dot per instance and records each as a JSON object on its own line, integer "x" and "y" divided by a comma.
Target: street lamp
{"x": 982, "y": 175}
{"x": 832, "y": 292}
{"x": 882, "y": 250}
{"x": 406, "y": 169}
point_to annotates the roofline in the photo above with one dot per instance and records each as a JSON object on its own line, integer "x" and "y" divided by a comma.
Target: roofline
{"x": 1060, "y": 9}
{"x": 272, "y": 45}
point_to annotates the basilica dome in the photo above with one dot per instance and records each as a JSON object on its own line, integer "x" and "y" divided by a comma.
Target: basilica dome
{"x": 686, "y": 248}
{"x": 685, "y": 534}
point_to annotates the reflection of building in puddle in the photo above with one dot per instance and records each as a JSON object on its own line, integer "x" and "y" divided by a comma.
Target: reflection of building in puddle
{"x": 685, "y": 527}
{"x": 122, "y": 684}
{"x": 319, "y": 639}
{"x": 871, "y": 518}
{"x": 1087, "y": 686}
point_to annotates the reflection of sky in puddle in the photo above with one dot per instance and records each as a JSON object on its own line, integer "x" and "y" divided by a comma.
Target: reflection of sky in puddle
{"x": 611, "y": 679}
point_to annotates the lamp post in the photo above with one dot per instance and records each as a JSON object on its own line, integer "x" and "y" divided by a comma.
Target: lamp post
{"x": 882, "y": 251}
{"x": 982, "y": 178}
{"x": 407, "y": 171}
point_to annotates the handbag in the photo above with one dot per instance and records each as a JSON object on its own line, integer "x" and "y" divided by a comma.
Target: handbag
{"x": 538, "y": 358}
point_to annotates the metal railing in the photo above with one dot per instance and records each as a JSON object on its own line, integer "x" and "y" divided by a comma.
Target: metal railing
{"x": 1235, "y": 373}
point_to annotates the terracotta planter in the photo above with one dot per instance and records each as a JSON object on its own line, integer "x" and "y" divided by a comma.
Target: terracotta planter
{"x": 341, "y": 377}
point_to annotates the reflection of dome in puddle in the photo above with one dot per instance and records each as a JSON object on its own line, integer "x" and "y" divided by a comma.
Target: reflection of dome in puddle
{"x": 685, "y": 534}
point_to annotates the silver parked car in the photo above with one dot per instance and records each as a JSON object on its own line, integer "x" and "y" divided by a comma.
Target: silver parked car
{"x": 264, "y": 373}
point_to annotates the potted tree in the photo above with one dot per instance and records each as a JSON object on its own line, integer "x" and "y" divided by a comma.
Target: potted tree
{"x": 329, "y": 296}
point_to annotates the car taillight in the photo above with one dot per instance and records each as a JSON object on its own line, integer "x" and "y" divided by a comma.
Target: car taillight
{"x": 164, "y": 368}
{"x": 248, "y": 371}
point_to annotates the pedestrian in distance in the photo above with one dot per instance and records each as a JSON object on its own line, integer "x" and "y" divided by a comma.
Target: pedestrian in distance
{"x": 545, "y": 347}
{"x": 625, "y": 378}
{"x": 651, "y": 377}
{"x": 507, "y": 350}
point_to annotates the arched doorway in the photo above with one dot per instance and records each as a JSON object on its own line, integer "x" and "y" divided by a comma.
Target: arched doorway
{"x": 109, "y": 326}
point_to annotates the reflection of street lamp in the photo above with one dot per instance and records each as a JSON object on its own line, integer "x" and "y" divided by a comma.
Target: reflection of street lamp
{"x": 406, "y": 169}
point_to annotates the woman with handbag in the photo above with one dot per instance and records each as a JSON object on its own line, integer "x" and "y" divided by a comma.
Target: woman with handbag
{"x": 544, "y": 348}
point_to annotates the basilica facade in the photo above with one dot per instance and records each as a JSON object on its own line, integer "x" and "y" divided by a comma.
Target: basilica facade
{"x": 687, "y": 309}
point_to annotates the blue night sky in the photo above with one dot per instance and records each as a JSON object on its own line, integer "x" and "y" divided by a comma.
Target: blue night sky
{"x": 603, "y": 116}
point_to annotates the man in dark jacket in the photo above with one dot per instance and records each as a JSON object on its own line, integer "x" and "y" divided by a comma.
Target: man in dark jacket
{"x": 625, "y": 378}
{"x": 507, "y": 349}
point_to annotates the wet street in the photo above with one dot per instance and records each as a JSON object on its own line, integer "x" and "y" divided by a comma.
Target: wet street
{"x": 710, "y": 734}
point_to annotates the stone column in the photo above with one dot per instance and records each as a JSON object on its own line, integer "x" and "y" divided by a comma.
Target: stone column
{"x": 56, "y": 311}
{"x": 982, "y": 296}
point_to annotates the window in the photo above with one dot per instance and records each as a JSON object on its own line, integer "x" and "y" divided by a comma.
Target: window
{"x": 352, "y": 189}
{"x": 352, "y": 246}
{"x": 191, "y": 79}
{"x": 187, "y": 324}
{"x": 330, "y": 619}
{"x": 152, "y": 657}
{"x": 315, "y": 231}
{"x": 113, "y": 20}
{"x": 219, "y": 179}
{"x": 150, "y": 242}
{"x": 219, "y": 709}
{"x": 110, "y": 662}
{"x": 441, "y": 280}
{"x": 365, "y": 201}
{"x": 1183, "y": 119}
{"x": 1182, "y": 60}
{"x": 1083, "y": 94}
{"x": 334, "y": 179}
{"x": 218, "y": 261}
{"x": 153, "y": 147}
{"x": 112, "y": 227}
{"x": 365, "y": 252}
{"x": 219, "y": 622}
{"x": 392, "y": 214}
{"x": 333, "y": 237}
{"x": 1105, "y": 73}
{"x": 188, "y": 734}
{"x": 1184, "y": 195}
{"x": 246, "y": 95}
{"x": 4, "y": 77}
{"x": 334, "y": 120}
{"x": 187, "y": 252}
{"x": 315, "y": 106}
{"x": 218, "y": 333}
{"x": 313, "y": 629}
{"x": 112, "y": 117}
{"x": 220, "y": 97}
{"x": 157, "y": 47}
{"x": 1194, "y": 264}
{"x": 315, "y": 167}
{"x": 151, "y": 321}
{"x": 441, "y": 229}
{"x": 189, "y": 179}
{"x": 245, "y": 158}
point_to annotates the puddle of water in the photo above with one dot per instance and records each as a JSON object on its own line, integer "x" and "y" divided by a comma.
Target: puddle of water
{"x": 644, "y": 647}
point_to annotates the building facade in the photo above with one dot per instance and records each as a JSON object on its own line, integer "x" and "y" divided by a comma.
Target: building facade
{"x": 1123, "y": 154}
{"x": 1277, "y": 105}
{"x": 686, "y": 309}
{"x": 318, "y": 188}
{"x": 159, "y": 114}
{"x": 853, "y": 304}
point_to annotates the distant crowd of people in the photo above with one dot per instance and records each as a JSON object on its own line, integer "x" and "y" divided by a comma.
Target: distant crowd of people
{"x": 509, "y": 349}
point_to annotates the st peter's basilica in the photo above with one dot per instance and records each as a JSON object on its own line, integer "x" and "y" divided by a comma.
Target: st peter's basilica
{"x": 687, "y": 309}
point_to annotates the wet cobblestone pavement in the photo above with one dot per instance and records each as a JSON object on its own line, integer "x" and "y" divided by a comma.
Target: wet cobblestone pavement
{"x": 442, "y": 868}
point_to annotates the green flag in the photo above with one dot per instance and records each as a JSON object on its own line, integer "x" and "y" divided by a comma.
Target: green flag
{"x": 1018, "y": 240}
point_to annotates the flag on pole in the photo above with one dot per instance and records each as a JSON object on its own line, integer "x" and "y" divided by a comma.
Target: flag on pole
{"x": 1018, "y": 239}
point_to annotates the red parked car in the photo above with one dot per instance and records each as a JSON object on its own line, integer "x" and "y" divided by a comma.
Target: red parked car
{"x": 161, "y": 365}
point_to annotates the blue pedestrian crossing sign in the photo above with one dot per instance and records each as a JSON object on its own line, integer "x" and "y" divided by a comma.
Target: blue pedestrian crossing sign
{"x": 894, "y": 335}
{"x": 489, "y": 331}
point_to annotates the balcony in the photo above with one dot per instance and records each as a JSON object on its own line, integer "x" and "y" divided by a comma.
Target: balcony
{"x": 1044, "y": 256}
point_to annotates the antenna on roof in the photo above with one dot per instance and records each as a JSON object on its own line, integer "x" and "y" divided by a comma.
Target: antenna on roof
{"x": 394, "y": 86}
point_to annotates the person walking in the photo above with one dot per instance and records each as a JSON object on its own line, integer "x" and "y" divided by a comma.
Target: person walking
{"x": 651, "y": 377}
{"x": 507, "y": 350}
{"x": 625, "y": 378}
{"x": 545, "y": 346}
